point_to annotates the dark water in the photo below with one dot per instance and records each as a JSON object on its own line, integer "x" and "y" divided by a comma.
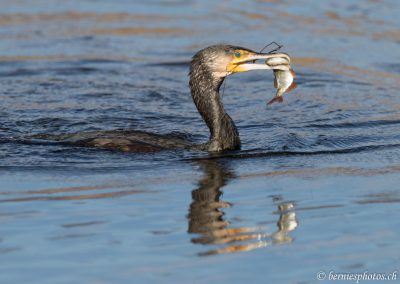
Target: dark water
{"x": 315, "y": 186}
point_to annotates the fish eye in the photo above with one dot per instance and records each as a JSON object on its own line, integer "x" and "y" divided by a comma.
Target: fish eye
{"x": 237, "y": 54}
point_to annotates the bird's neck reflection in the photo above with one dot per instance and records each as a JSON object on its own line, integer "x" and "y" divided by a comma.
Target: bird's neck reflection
{"x": 206, "y": 217}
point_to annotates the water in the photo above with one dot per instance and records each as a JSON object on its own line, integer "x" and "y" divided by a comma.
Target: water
{"x": 315, "y": 186}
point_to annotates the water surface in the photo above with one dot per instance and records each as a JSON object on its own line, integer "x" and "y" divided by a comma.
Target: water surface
{"x": 314, "y": 187}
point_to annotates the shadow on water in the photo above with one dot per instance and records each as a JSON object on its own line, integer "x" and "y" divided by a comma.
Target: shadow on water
{"x": 207, "y": 217}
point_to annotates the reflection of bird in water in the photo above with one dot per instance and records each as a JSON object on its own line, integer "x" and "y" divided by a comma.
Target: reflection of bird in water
{"x": 287, "y": 222}
{"x": 207, "y": 218}
{"x": 208, "y": 69}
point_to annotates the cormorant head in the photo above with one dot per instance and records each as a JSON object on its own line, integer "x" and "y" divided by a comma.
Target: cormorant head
{"x": 223, "y": 60}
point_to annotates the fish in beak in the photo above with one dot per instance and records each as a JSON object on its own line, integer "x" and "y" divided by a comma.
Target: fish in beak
{"x": 244, "y": 61}
{"x": 284, "y": 79}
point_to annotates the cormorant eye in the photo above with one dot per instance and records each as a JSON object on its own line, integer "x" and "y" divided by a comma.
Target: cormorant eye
{"x": 237, "y": 54}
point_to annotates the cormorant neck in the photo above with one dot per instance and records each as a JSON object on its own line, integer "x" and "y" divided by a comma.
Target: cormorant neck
{"x": 204, "y": 87}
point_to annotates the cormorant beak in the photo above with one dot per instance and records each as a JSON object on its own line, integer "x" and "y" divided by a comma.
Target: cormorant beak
{"x": 246, "y": 62}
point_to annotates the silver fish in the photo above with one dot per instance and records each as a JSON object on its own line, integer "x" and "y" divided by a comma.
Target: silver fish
{"x": 284, "y": 82}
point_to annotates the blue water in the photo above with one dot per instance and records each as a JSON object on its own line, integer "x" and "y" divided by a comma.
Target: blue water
{"x": 314, "y": 187}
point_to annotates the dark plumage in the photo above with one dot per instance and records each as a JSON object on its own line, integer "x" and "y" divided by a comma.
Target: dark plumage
{"x": 205, "y": 81}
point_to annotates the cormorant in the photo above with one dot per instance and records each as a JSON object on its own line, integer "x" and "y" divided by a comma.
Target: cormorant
{"x": 208, "y": 69}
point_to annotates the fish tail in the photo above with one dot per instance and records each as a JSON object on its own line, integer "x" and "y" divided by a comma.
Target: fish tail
{"x": 275, "y": 99}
